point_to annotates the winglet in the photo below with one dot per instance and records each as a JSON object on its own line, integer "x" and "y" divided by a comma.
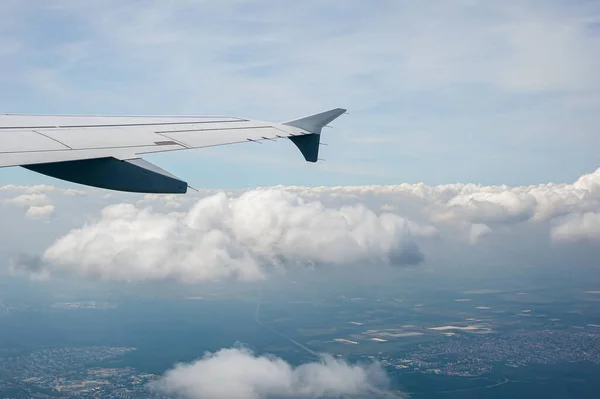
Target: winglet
{"x": 308, "y": 144}
{"x": 315, "y": 123}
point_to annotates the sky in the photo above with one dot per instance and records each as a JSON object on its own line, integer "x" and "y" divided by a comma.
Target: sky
{"x": 470, "y": 147}
{"x": 438, "y": 92}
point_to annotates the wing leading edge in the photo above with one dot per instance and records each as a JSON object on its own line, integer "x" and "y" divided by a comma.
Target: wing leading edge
{"x": 105, "y": 151}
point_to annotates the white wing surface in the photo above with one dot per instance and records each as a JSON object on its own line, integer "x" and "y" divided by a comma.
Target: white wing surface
{"x": 105, "y": 151}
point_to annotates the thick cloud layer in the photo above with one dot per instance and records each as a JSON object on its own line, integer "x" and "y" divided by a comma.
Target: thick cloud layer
{"x": 224, "y": 237}
{"x": 248, "y": 234}
{"x": 237, "y": 373}
{"x": 475, "y": 209}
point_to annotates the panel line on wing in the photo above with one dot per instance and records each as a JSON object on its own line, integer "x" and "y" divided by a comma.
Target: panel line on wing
{"x": 213, "y": 129}
{"x": 121, "y": 124}
{"x": 153, "y": 124}
{"x": 53, "y": 139}
{"x": 89, "y": 148}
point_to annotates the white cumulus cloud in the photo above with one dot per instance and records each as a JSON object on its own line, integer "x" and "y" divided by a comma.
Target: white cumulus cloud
{"x": 40, "y": 188}
{"x": 247, "y": 235}
{"x": 231, "y": 237}
{"x": 27, "y": 200}
{"x": 39, "y": 212}
{"x": 38, "y": 204}
{"x": 237, "y": 373}
{"x": 475, "y": 206}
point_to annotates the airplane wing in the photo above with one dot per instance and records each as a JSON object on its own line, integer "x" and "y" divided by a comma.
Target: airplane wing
{"x": 106, "y": 151}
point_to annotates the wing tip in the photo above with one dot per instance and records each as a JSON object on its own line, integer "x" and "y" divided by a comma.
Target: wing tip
{"x": 314, "y": 123}
{"x": 309, "y": 144}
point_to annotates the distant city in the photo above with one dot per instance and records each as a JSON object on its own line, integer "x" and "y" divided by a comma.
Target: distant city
{"x": 65, "y": 373}
{"x": 473, "y": 356}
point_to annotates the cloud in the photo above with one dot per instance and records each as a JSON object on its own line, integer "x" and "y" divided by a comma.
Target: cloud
{"x": 237, "y": 373}
{"x": 578, "y": 227}
{"x": 29, "y": 265}
{"x": 38, "y": 199}
{"x": 478, "y": 231}
{"x": 38, "y": 205}
{"x": 511, "y": 205}
{"x": 432, "y": 45}
{"x": 242, "y": 237}
{"x": 250, "y": 234}
{"x": 169, "y": 200}
{"x": 27, "y": 200}
{"x": 40, "y": 189}
{"x": 566, "y": 212}
{"x": 475, "y": 203}
{"x": 39, "y": 212}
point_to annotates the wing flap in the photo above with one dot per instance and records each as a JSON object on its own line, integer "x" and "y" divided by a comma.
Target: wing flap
{"x": 85, "y": 138}
{"x": 207, "y": 138}
{"x": 220, "y": 125}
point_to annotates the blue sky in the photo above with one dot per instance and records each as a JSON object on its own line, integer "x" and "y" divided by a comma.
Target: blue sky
{"x": 440, "y": 92}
